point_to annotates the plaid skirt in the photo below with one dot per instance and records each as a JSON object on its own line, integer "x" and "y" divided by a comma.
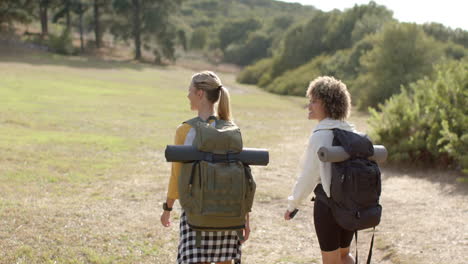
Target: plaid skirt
{"x": 216, "y": 246}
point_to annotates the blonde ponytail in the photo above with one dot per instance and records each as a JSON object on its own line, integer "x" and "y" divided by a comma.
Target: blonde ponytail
{"x": 224, "y": 105}
{"x": 215, "y": 92}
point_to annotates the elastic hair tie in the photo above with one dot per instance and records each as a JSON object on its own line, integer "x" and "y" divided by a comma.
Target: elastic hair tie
{"x": 219, "y": 87}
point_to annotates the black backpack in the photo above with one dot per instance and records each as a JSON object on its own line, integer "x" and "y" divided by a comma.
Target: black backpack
{"x": 355, "y": 185}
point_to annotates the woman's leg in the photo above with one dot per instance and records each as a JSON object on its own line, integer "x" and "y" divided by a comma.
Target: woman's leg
{"x": 327, "y": 232}
{"x": 346, "y": 257}
{"x": 331, "y": 257}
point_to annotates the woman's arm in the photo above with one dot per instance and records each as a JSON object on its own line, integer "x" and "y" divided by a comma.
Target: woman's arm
{"x": 308, "y": 176}
{"x": 172, "y": 190}
{"x": 247, "y": 228}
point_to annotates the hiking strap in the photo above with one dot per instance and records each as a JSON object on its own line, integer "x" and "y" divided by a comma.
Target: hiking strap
{"x": 192, "y": 174}
{"x": 192, "y": 122}
{"x": 240, "y": 235}
{"x": 198, "y": 239}
{"x": 369, "y": 256}
{"x": 357, "y": 257}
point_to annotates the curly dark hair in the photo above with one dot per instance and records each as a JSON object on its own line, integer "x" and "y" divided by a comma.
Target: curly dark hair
{"x": 333, "y": 94}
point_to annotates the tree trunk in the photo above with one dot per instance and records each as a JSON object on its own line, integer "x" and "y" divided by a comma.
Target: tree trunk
{"x": 43, "y": 6}
{"x": 68, "y": 15}
{"x": 137, "y": 28}
{"x": 81, "y": 28}
{"x": 97, "y": 24}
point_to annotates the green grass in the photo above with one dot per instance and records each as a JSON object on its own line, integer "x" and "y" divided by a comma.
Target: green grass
{"x": 55, "y": 114}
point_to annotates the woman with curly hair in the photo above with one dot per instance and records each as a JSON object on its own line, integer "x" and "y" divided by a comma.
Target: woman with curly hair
{"x": 330, "y": 105}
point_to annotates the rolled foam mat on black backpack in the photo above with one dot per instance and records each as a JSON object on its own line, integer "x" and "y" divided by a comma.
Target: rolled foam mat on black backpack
{"x": 338, "y": 154}
{"x": 187, "y": 153}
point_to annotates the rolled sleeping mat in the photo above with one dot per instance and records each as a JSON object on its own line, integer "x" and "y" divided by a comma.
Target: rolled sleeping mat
{"x": 338, "y": 154}
{"x": 187, "y": 153}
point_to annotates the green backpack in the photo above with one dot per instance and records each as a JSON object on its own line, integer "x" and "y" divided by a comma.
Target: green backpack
{"x": 216, "y": 193}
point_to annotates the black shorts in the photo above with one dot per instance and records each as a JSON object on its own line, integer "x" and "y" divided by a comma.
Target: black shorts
{"x": 330, "y": 235}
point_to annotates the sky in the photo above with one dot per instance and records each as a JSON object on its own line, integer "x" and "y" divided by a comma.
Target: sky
{"x": 452, "y": 13}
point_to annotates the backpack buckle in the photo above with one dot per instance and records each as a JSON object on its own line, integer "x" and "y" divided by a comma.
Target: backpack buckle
{"x": 208, "y": 157}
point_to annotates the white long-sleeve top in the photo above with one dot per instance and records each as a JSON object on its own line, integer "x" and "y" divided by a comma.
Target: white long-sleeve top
{"x": 312, "y": 170}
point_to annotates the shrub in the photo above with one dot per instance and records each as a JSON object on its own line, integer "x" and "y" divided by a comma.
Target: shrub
{"x": 253, "y": 73}
{"x": 255, "y": 48}
{"x": 62, "y": 44}
{"x": 428, "y": 122}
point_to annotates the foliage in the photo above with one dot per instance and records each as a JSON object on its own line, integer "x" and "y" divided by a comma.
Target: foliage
{"x": 16, "y": 11}
{"x": 233, "y": 32}
{"x": 255, "y": 47}
{"x": 428, "y": 121}
{"x": 62, "y": 44}
{"x": 253, "y": 73}
{"x": 325, "y": 34}
{"x": 445, "y": 34}
{"x": 199, "y": 38}
{"x": 147, "y": 23}
{"x": 402, "y": 54}
{"x": 229, "y": 25}
{"x": 295, "y": 82}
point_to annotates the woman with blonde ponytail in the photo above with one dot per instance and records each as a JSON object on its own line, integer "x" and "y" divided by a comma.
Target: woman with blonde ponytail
{"x": 209, "y": 98}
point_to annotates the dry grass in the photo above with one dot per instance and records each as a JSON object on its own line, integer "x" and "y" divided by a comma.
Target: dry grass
{"x": 83, "y": 177}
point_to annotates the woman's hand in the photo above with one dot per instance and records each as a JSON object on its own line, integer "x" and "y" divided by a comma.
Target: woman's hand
{"x": 286, "y": 215}
{"x": 165, "y": 218}
{"x": 246, "y": 229}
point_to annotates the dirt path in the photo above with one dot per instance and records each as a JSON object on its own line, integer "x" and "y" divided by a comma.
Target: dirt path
{"x": 424, "y": 221}
{"x": 118, "y": 221}
{"x": 425, "y": 218}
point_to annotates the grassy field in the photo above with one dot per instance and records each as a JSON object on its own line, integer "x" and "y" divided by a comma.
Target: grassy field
{"x": 83, "y": 174}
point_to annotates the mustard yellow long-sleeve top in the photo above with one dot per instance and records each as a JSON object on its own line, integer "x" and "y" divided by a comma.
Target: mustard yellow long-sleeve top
{"x": 180, "y": 139}
{"x": 181, "y": 134}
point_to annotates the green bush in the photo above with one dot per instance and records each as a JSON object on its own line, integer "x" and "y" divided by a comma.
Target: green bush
{"x": 295, "y": 82}
{"x": 255, "y": 48}
{"x": 253, "y": 73}
{"x": 62, "y": 44}
{"x": 199, "y": 38}
{"x": 428, "y": 122}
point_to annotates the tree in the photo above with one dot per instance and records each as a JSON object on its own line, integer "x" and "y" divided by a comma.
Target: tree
{"x": 97, "y": 22}
{"x": 64, "y": 11}
{"x": 302, "y": 43}
{"x": 16, "y": 11}
{"x": 255, "y": 47}
{"x": 79, "y": 8}
{"x": 402, "y": 54}
{"x": 236, "y": 31}
{"x": 199, "y": 38}
{"x": 43, "y": 15}
{"x": 147, "y": 23}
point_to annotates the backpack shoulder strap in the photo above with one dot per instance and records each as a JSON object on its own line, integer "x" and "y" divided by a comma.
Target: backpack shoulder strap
{"x": 192, "y": 122}
{"x": 355, "y": 144}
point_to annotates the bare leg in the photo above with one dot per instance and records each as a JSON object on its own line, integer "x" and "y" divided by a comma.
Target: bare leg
{"x": 346, "y": 257}
{"x": 331, "y": 257}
